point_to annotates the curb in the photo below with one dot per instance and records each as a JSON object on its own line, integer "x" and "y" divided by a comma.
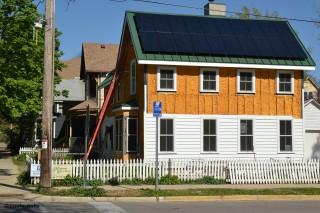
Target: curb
{"x": 60, "y": 199}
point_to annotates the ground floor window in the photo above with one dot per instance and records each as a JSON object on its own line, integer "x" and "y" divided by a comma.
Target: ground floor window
{"x": 246, "y": 135}
{"x": 166, "y": 135}
{"x": 119, "y": 134}
{"x": 132, "y": 134}
{"x": 285, "y": 136}
{"x": 209, "y": 135}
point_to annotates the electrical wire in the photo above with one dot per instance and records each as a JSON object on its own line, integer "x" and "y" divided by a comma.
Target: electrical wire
{"x": 229, "y": 12}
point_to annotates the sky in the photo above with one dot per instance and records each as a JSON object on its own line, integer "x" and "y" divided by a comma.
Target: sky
{"x": 101, "y": 21}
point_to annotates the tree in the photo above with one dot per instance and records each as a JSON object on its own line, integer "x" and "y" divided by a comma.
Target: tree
{"x": 255, "y": 13}
{"x": 21, "y": 63}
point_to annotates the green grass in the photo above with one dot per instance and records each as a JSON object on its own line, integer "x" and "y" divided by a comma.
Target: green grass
{"x": 100, "y": 192}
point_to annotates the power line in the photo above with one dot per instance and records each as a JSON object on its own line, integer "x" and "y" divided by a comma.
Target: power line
{"x": 230, "y": 12}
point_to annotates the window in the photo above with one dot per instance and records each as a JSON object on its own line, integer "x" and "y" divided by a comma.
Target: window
{"x": 133, "y": 79}
{"x": 308, "y": 95}
{"x": 166, "y": 135}
{"x": 166, "y": 79}
{"x": 132, "y": 134}
{"x": 119, "y": 138}
{"x": 209, "y": 136}
{"x": 209, "y": 80}
{"x": 285, "y": 82}
{"x": 285, "y": 136}
{"x": 246, "y": 135}
{"x": 246, "y": 81}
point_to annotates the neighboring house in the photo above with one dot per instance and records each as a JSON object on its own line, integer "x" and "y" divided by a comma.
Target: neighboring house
{"x": 97, "y": 60}
{"x": 71, "y": 82}
{"x": 312, "y": 129}
{"x": 230, "y": 88}
{"x": 311, "y": 88}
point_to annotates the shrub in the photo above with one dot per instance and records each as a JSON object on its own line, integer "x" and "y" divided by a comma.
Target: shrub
{"x": 75, "y": 191}
{"x": 207, "y": 180}
{"x": 169, "y": 180}
{"x": 24, "y": 178}
{"x": 114, "y": 181}
{"x": 77, "y": 181}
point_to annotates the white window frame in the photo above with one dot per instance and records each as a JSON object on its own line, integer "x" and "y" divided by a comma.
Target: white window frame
{"x": 202, "y": 135}
{"x": 292, "y": 135}
{"x": 253, "y": 81}
{"x": 133, "y": 79}
{"x": 201, "y": 79}
{"x": 128, "y": 134}
{"x": 174, "y": 136}
{"x": 120, "y": 119}
{"x": 292, "y": 81}
{"x": 174, "y": 69}
{"x": 253, "y": 136}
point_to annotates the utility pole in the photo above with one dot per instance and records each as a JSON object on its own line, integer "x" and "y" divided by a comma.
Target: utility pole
{"x": 47, "y": 95}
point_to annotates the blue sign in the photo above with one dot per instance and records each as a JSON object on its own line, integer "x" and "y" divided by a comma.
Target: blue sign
{"x": 157, "y": 109}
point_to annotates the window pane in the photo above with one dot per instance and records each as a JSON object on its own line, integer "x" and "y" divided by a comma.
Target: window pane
{"x": 206, "y": 143}
{"x": 287, "y": 87}
{"x": 170, "y": 84}
{"x": 206, "y": 76}
{"x": 282, "y": 127}
{"x": 243, "y": 127}
{"x": 245, "y": 76}
{"x": 248, "y": 86}
{"x": 212, "y": 127}
{"x": 213, "y": 143}
{"x": 169, "y": 74}
{"x": 163, "y": 74}
{"x": 282, "y": 143}
{"x": 132, "y": 126}
{"x": 163, "y": 126}
{"x": 249, "y": 127}
{"x": 249, "y": 143}
{"x": 163, "y": 84}
{"x": 288, "y": 128}
{"x": 132, "y": 143}
{"x": 206, "y": 126}
{"x": 284, "y": 77}
{"x": 288, "y": 143}
{"x": 212, "y": 85}
{"x": 206, "y": 85}
{"x": 163, "y": 143}
{"x": 169, "y": 126}
{"x": 242, "y": 86}
{"x": 243, "y": 143}
{"x": 169, "y": 143}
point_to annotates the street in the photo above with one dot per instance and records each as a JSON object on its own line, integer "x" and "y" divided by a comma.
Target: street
{"x": 168, "y": 207}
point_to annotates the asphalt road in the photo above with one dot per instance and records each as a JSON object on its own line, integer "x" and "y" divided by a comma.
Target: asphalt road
{"x": 167, "y": 207}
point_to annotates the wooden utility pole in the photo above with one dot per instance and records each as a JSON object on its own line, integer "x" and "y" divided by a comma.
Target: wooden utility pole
{"x": 47, "y": 96}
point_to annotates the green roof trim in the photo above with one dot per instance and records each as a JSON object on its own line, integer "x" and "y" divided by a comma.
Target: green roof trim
{"x": 212, "y": 59}
{"x": 131, "y": 103}
{"x": 106, "y": 82}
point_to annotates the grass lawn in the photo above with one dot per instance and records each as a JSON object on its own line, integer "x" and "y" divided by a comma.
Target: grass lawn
{"x": 100, "y": 192}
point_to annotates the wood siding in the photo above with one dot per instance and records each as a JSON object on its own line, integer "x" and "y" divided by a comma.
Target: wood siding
{"x": 189, "y": 100}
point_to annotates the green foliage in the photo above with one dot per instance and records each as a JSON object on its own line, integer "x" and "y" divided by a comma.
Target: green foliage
{"x": 24, "y": 178}
{"x": 255, "y": 13}
{"x": 136, "y": 181}
{"x": 74, "y": 192}
{"x": 207, "y": 180}
{"x": 169, "y": 180}
{"x": 76, "y": 181}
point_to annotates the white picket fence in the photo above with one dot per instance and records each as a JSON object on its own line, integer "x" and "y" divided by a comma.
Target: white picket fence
{"x": 106, "y": 170}
{"x": 274, "y": 171}
{"x": 56, "y": 152}
{"x": 234, "y": 171}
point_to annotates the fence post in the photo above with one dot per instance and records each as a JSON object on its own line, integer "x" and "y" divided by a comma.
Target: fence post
{"x": 169, "y": 167}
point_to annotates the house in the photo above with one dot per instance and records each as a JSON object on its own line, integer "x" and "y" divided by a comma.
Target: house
{"x": 75, "y": 87}
{"x": 312, "y": 129}
{"x": 230, "y": 88}
{"x": 311, "y": 88}
{"x": 97, "y": 60}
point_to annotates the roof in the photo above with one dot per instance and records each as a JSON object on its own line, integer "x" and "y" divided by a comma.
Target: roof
{"x": 71, "y": 69}
{"x": 312, "y": 80}
{"x": 99, "y": 57}
{"x": 83, "y": 106}
{"x": 130, "y": 103}
{"x": 312, "y": 101}
{"x": 212, "y": 60}
{"x": 106, "y": 82}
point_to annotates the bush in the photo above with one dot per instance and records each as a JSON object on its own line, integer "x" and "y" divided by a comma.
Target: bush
{"x": 77, "y": 181}
{"x": 169, "y": 180}
{"x": 75, "y": 191}
{"x": 207, "y": 180}
{"x": 114, "y": 181}
{"x": 24, "y": 178}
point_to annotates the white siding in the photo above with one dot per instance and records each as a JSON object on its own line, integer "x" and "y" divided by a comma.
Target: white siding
{"x": 311, "y": 117}
{"x": 188, "y": 137}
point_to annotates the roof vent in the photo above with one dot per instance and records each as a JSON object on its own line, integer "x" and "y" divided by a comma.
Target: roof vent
{"x": 103, "y": 46}
{"x": 215, "y": 9}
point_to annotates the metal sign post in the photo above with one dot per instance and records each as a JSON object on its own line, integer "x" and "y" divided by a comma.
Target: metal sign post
{"x": 157, "y": 109}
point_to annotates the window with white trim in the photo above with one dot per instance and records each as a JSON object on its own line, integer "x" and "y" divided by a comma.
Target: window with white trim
{"x": 246, "y": 81}
{"x": 132, "y": 134}
{"x": 209, "y": 135}
{"x": 246, "y": 136}
{"x": 119, "y": 134}
{"x": 166, "y": 135}
{"x": 209, "y": 80}
{"x": 285, "y": 136}
{"x": 285, "y": 82}
{"x": 133, "y": 78}
{"x": 166, "y": 79}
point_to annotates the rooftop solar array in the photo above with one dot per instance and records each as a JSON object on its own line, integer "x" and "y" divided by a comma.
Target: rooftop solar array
{"x": 191, "y": 35}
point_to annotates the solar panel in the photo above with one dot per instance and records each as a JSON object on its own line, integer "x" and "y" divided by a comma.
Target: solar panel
{"x": 189, "y": 35}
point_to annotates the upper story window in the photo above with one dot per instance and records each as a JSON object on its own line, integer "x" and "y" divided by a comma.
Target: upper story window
{"x": 133, "y": 78}
{"x": 246, "y": 81}
{"x": 285, "y": 82}
{"x": 246, "y": 136}
{"x": 166, "y": 79}
{"x": 285, "y": 136}
{"x": 209, "y": 80}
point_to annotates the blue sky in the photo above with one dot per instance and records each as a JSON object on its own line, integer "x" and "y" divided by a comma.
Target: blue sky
{"x": 101, "y": 20}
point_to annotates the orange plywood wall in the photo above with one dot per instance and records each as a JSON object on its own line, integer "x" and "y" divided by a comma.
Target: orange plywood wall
{"x": 189, "y": 100}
